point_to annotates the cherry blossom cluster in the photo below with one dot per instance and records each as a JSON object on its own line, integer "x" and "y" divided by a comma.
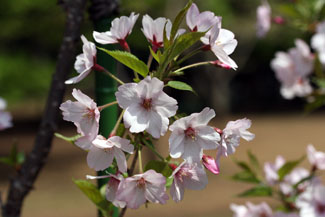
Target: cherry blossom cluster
{"x": 148, "y": 112}
{"x": 300, "y": 191}
{"x": 5, "y": 117}
{"x": 294, "y": 68}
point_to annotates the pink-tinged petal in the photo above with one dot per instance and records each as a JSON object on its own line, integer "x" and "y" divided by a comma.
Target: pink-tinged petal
{"x": 3, "y": 104}
{"x": 191, "y": 16}
{"x": 166, "y": 105}
{"x": 207, "y": 19}
{"x": 177, "y": 190}
{"x": 210, "y": 164}
{"x": 83, "y": 98}
{"x": 136, "y": 117}
{"x": 78, "y": 78}
{"x": 104, "y": 37}
{"x": 263, "y": 14}
{"x": 156, "y": 194}
{"x": 130, "y": 193}
{"x": 303, "y": 48}
{"x": 121, "y": 143}
{"x": 316, "y": 158}
{"x": 192, "y": 151}
{"x": 197, "y": 180}
{"x": 84, "y": 142}
{"x": 72, "y": 111}
{"x": 239, "y": 210}
{"x": 205, "y": 116}
{"x": 223, "y": 57}
{"x": 102, "y": 143}
{"x": 111, "y": 190}
{"x": 158, "y": 125}
{"x": 227, "y": 40}
{"x": 120, "y": 159}
{"x": 99, "y": 159}
{"x": 176, "y": 144}
{"x": 127, "y": 95}
{"x": 207, "y": 137}
{"x": 154, "y": 177}
{"x": 147, "y": 27}
{"x": 5, "y": 120}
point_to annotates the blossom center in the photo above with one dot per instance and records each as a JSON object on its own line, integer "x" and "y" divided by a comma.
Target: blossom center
{"x": 147, "y": 104}
{"x": 141, "y": 183}
{"x": 320, "y": 208}
{"x": 90, "y": 113}
{"x": 190, "y": 133}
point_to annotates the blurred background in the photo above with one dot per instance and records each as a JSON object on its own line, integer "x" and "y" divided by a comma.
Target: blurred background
{"x": 29, "y": 41}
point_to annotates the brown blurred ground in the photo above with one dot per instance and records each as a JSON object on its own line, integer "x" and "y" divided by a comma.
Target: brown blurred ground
{"x": 56, "y": 196}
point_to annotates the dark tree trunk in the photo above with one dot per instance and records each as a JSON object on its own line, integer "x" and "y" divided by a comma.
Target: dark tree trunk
{"x": 23, "y": 182}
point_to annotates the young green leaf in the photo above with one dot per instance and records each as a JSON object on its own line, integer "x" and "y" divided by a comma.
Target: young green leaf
{"x": 129, "y": 60}
{"x": 180, "y": 86}
{"x": 155, "y": 55}
{"x": 288, "y": 167}
{"x": 169, "y": 182}
{"x": 71, "y": 139}
{"x": 91, "y": 191}
{"x": 245, "y": 176}
{"x": 257, "y": 191}
{"x": 178, "y": 20}
{"x": 253, "y": 160}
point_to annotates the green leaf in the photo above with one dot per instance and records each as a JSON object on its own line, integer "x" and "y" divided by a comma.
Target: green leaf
{"x": 244, "y": 166}
{"x": 129, "y": 60}
{"x": 91, "y": 191}
{"x": 15, "y": 158}
{"x": 257, "y": 191}
{"x": 159, "y": 167}
{"x": 182, "y": 43}
{"x": 253, "y": 160}
{"x": 178, "y": 20}
{"x": 288, "y": 167}
{"x": 155, "y": 55}
{"x": 120, "y": 130}
{"x": 169, "y": 182}
{"x": 316, "y": 104}
{"x": 179, "y": 85}
{"x": 246, "y": 176}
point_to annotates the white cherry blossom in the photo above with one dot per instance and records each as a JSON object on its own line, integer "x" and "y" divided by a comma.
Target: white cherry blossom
{"x": 200, "y": 22}
{"x": 85, "y": 115}
{"x": 85, "y": 62}
{"x": 231, "y": 136}
{"x": 103, "y": 151}
{"x": 121, "y": 28}
{"x": 136, "y": 190}
{"x": 293, "y": 178}
{"x": 316, "y": 158}
{"x": 271, "y": 170}
{"x": 111, "y": 189}
{"x": 252, "y": 210}
{"x": 318, "y": 41}
{"x": 292, "y": 70}
{"x": 191, "y": 135}
{"x": 5, "y": 117}
{"x": 154, "y": 30}
{"x": 222, "y": 43}
{"x": 146, "y": 106}
{"x": 263, "y": 13}
{"x": 186, "y": 175}
{"x": 312, "y": 201}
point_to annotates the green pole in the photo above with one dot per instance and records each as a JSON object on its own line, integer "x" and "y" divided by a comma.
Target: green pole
{"x": 105, "y": 87}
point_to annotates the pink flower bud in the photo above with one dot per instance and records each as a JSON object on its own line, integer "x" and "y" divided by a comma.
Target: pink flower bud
{"x": 218, "y": 63}
{"x": 210, "y": 164}
{"x": 278, "y": 20}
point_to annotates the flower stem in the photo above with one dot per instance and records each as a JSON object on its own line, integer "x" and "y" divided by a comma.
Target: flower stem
{"x": 193, "y": 65}
{"x": 100, "y": 108}
{"x": 112, "y": 76}
{"x": 149, "y": 61}
{"x": 140, "y": 161}
{"x": 153, "y": 150}
{"x": 117, "y": 123}
{"x": 192, "y": 53}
